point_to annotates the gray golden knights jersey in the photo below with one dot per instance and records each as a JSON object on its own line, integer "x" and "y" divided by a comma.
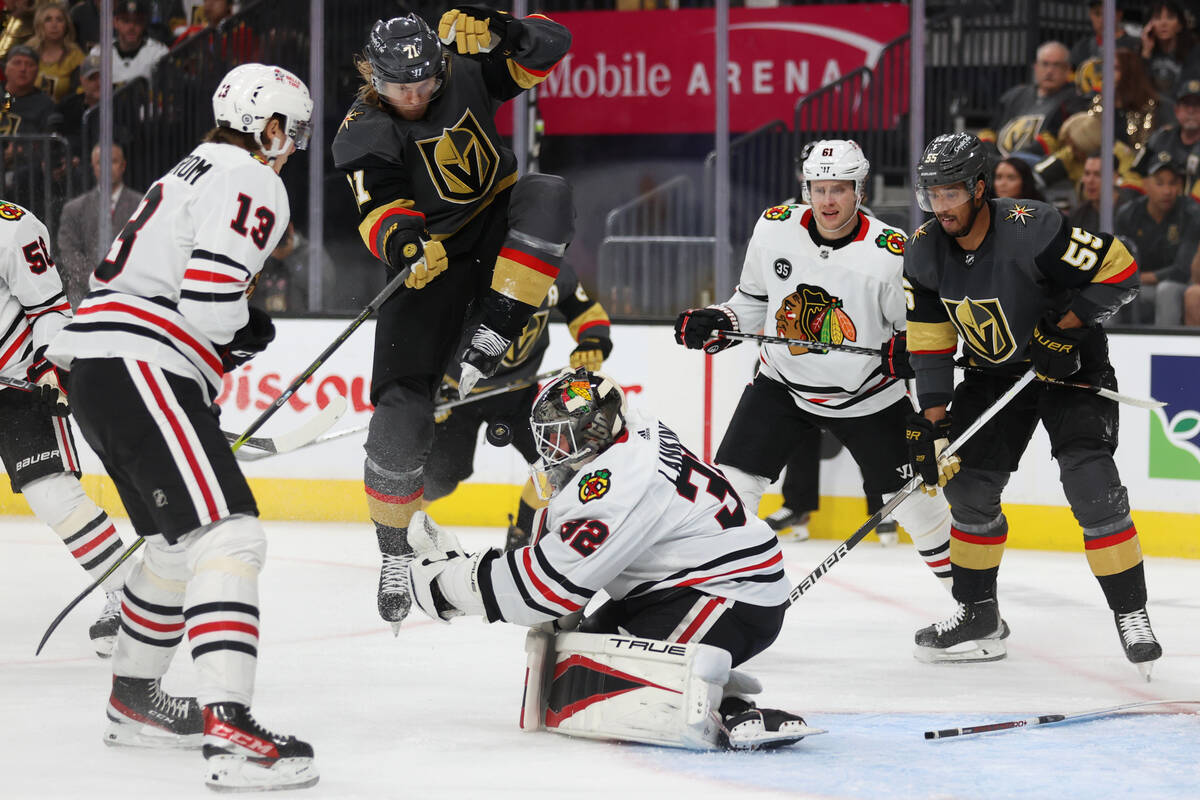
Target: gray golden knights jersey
{"x": 1030, "y": 263}
{"x": 174, "y": 283}
{"x": 645, "y": 516}
{"x": 851, "y": 294}
{"x": 33, "y": 306}
{"x": 1028, "y": 122}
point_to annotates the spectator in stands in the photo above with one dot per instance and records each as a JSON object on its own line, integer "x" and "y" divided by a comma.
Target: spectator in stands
{"x": 134, "y": 53}
{"x": 164, "y": 17}
{"x": 1086, "y": 212}
{"x": 222, "y": 39}
{"x": 1089, "y": 47}
{"x": 1079, "y": 137}
{"x": 1140, "y": 108}
{"x": 59, "y": 56}
{"x": 1191, "y": 298}
{"x": 1166, "y": 230}
{"x": 215, "y": 12}
{"x": 1180, "y": 141}
{"x": 69, "y": 115}
{"x": 1028, "y": 116}
{"x": 1013, "y": 177}
{"x": 31, "y": 108}
{"x": 18, "y": 27}
{"x": 282, "y": 286}
{"x": 1166, "y": 44}
{"x": 79, "y": 243}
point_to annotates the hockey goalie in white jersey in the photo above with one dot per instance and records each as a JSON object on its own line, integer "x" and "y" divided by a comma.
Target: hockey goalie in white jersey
{"x": 696, "y": 584}
{"x": 824, "y": 272}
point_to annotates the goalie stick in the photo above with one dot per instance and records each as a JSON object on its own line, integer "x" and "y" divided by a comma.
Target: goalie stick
{"x": 1119, "y": 397}
{"x": 912, "y": 486}
{"x": 1049, "y": 719}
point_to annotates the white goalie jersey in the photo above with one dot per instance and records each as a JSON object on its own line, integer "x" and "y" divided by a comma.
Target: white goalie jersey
{"x": 173, "y": 286}
{"x": 33, "y": 306}
{"x": 643, "y": 517}
{"x": 851, "y": 293}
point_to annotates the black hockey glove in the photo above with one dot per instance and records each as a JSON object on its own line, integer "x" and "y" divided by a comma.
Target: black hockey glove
{"x": 1054, "y": 351}
{"x": 894, "y": 356}
{"x": 250, "y": 340}
{"x": 50, "y": 395}
{"x": 591, "y": 352}
{"x": 926, "y": 441}
{"x": 481, "y": 358}
{"x": 696, "y": 328}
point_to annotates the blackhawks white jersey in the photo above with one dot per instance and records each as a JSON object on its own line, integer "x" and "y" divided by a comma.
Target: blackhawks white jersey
{"x": 851, "y": 293}
{"x": 645, "y": 516}
{"x": 173, "y": 285}
{"x": 33, "y": 306}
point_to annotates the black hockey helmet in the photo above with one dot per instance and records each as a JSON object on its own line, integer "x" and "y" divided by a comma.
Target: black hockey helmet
{"x": 404, "y": 50}
{"x": 574, "y": 419}
{"x": 952, "y": 158}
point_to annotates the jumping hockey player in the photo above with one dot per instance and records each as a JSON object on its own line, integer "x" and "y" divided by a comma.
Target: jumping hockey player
{"x": 438, "y": 191}
{"x": 825, "y": 272}
{"x": 36, "y": 442}
{"x": 166, "y": 316}
{"x": 634, "y": 513}
{"x": 1016, "y": 284}
{"x": 452, "y": 457}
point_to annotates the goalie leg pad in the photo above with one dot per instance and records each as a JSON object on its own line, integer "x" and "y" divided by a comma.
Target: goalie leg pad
{"x": 602, "y": 686}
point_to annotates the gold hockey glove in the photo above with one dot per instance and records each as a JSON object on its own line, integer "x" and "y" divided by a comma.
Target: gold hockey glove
{"x": 590, "y": 353}
{"x": 926, "y": 441}
{"x": 468, "y": 34}
{"x": 431, "y": 264}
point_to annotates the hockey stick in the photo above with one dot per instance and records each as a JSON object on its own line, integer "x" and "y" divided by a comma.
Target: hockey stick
{"x": 912, "y": 486}
{"x": 302, "y": 436}
{"x": 512, "y": 386}
{"x": 1118, "y": 397}
{"x": 243, "y": 455}
{"x": 1049, "y": 719}
{"x": 18, "y": 383}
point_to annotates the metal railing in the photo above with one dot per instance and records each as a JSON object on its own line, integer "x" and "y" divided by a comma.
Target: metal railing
{"x": 37, "y": 171}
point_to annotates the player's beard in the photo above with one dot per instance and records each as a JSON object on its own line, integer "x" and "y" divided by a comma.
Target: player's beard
{"x": 966, "y": 229}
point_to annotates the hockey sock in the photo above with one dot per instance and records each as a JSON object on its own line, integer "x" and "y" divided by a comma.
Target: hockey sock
{"x": 60, "y": 502}
{"x": 152, "y": 612}
{"x": 1115, "y": 556}
{"x": 392, "y": 499}
{"x": 975, "y": 553}
{"x": 927, "y": 520}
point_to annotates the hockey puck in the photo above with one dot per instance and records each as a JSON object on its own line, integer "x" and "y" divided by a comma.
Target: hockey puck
{"x": 499, "y": 434}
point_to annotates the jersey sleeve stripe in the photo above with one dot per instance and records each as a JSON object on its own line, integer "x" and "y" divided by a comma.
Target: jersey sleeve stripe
{"x": 557, "y": 576}
{"x": 932, "y": 337}
{"x": 760, "y": 297}
{"x": 61, "y": 308}
{"x": 1116, "y": 267}
{"x": 373, "y": 223}
{"x": 205, "y": 276}
{"x": 543, "y": 589}
{"x": 12, "y": 348}
{"x": 770, "y": 562}
{"x": 212, "y": 297}
{"x": 518, "y": 581}
{"x": 592, "y": 316}
{"x": 217, "y": 258}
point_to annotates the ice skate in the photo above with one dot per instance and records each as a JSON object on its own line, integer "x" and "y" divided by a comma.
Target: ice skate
{"x": 792, "y": 526}
{"x": 887, "y": 532}
{"x": 141, "y": 714}
{"x": 242, "y": 756}
{"x": 748, "y": 727}
{"x": 393, "y": 599}
{"x": 103, "y": 632}
{"x": 974, "y": 633}
{"x": 1141, "y": 648}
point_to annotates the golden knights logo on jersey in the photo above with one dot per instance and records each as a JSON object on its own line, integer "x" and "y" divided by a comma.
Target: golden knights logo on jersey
{"x": 1019, "y": 132}
{"x": 462, "y": 163}
{"x": 983, "y": 326}
{"x": 812, "y": 313}
{"x": 523, "y": 345}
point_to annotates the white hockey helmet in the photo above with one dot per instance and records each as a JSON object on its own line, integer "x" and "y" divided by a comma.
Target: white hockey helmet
{"x": 251, "y": 94}
{"x": 834, "y": 160}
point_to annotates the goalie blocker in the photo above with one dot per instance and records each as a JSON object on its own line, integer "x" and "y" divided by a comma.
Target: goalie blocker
{"x": 604, "y": 686}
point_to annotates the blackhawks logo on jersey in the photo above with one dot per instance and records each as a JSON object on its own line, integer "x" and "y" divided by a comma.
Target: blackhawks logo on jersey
{"x": 777, "y": 213}
{"x": 594, "y": 485}
{"x": 462, "y": 162}
{"x": 10, "y": 212}
{"x": 892, "y": 241}
{"x": 983, "y": 326}
{"x": 812, "y": 314}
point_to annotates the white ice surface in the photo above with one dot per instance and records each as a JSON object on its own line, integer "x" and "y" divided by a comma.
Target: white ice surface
{"x": 433, "y": 712}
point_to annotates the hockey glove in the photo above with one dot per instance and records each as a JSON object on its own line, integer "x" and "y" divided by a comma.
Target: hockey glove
{"x": 926, "y": 441}
{"x": 1054, "y": 351}
{"x": 250, "y": 340}
{"x": 432, "y": 262}
{"x": 469, "y": 29}
{"x": 49, "y": 396}
{"x": 697, "y": 328}
{"x": 438, "y": 558}
{"x": 481, "y": 358}
{"x": 894, "y": 357}
{"x": 591, "y": 352}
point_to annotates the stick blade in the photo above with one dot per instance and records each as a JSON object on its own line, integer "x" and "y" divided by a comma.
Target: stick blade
{"x": 320, "y": 422}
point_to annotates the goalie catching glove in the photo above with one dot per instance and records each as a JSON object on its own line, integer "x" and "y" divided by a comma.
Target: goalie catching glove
{"x": 698, "y": 328}
{"x": 469, "y": 29}
{"x": 250, "y": 340}
{"x": 442, "y": 579}
{"x": 926, "y": 441}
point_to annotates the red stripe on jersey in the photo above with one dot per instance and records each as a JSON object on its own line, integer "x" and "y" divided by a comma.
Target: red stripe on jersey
{"x": 379, "y": 224}
{"x": 527, "y": 562}
{"x": 193, "y": 463}
{"x": 393, "y": 499}
{"x": 526, "y": 260}
{"x": 84, "y": 549}
{"x": 64, "y": 306}
{"x": 8, "y": 354}
{"x": 1110, "y": 540}
{"x": 971, "y": 538}
{"x": 208, "y": 356}
{"x": 862, "y": 227}
{"x": 210, "y": 277}
{"x": 1123, "y": 274}
{"x": 704, "y": 614}
{"x": 212, "y": 627}
{"x": 806, "y": 217}
{"x": 591, "y": 324}
{"x": 775, "y": 559}
{"x": 161, "y": 627}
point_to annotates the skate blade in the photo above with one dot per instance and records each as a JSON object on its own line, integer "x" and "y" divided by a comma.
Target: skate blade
{"x": 230, "y": 773}
{"x": 976, "y": 651}
{"x": 395, "y": 628}
{"x": 132, "y": 734}
{"x": 104, "y": 646}
{"x": 762, "y": 740}
{"x": 1145, "y": 668}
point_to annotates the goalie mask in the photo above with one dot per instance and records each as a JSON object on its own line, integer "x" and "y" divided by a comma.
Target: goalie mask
{"x": 251, "y": 95}
{"x": 834, "y": 160}
{"x": 574, "y": 419}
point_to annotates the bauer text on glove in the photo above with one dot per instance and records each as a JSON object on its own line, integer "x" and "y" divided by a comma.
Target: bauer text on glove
{"x": 926, "y": 441}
